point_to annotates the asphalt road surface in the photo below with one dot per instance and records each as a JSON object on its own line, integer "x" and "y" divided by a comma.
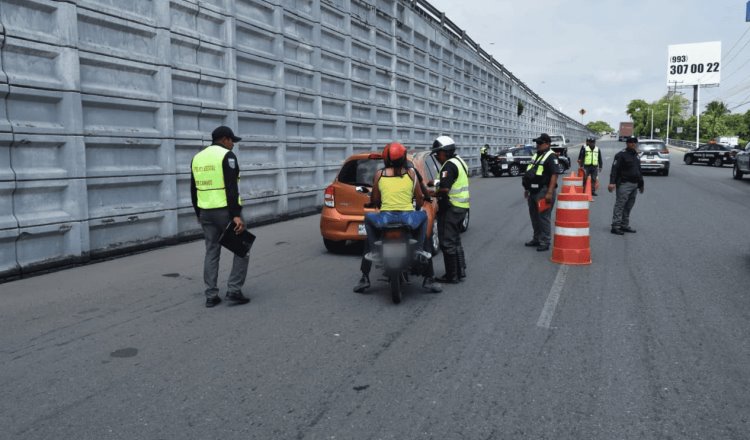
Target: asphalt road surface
{"x": 648, "y": 342}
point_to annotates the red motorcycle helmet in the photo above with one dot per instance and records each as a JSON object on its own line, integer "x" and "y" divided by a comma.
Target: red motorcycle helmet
{"x": 394, "y": 155}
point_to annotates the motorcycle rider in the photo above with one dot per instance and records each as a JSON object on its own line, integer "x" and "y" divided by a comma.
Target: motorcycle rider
{"x": 394, "y": 189}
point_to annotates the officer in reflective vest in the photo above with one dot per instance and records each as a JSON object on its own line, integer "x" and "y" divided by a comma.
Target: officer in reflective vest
{"x": 453, "y": 207}
{"x": 483, "y": 153}
{"x": 214, "y": 188}
{"x": 539, "y": 182}
{"x": 590, "y": 159}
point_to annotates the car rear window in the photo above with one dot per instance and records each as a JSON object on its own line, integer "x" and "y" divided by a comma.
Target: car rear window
{"x": 359, "y": 172}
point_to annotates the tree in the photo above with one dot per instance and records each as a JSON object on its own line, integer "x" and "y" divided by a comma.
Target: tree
{"x": 715, "y": 113}
{"x": 638, "y": 112}
{"x": 599, "y": 127}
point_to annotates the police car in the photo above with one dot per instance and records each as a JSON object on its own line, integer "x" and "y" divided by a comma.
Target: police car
{"x": 711, "y": 154}
{"x": 512, "y": 161}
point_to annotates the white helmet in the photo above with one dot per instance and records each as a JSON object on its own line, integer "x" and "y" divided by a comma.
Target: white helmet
{"x": 444, "y": 143}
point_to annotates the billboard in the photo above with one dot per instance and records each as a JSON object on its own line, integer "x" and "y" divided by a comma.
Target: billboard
{"x": 694, "y": 64}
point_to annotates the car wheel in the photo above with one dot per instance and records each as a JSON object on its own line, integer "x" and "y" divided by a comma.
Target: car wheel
{"x": 464, "y": 225}
{"x": 688, "y": 160}
{"x": 435, "y": 238}
{"x": 736, "y": 173}
{"x": 665, "y": 172}
{"x": 718, "y": 162}
{"x": 497, "y": 173}
{"x": 334, "y": 246}
{"x": 514, "y": 170}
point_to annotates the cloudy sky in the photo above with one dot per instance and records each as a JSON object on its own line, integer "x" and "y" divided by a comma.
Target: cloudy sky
{"x": 601, "y": 54}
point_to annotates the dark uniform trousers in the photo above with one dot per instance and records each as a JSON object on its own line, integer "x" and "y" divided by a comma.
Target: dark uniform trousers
{"x": 213, "y": 222}
{"x": 449, "y": 234}
{"x": 541, "y": 222}
{"x": 593, "y": 171}
{"x": 626, "y": 192}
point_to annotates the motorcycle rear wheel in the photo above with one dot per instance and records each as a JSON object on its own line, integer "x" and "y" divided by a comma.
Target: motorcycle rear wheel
{"x": 395, "y": 281}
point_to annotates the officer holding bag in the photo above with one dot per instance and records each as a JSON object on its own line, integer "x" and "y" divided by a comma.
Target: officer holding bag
{"x": 539, "y": 182}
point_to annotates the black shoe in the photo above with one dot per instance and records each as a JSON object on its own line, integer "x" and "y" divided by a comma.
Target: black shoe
{"x": 431, "y": 286}
{"x": 448, "y": 278}
{"x": 542, "y": 248}
{"x": 212, "y": 301}
{"x": 628, "y": 229}
{"x": 363, "y": 284}
{"x": 532, "y": 243}
{"x": 617, "y": 231}
{"x": 594, "y": 193}
{"x": 237, "y": 298}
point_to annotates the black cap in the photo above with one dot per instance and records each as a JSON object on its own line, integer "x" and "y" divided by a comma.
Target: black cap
{"x": 631, "y": 140}
{"x": 222, "y": 132}
{"x": 543, "y": 139}
{"x": 591, "y": 139}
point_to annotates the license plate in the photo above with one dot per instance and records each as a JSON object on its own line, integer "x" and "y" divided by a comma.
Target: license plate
{"x": 504, "y": 166}
{"x": 361, "y": 229}
{"x": 394, "y": 250}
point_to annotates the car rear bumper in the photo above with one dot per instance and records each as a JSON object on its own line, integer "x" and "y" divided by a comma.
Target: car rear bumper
{"x": 338, "y": 227}
{"x": 654, "y": 166}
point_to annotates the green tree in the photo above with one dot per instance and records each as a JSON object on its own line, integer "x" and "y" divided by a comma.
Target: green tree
{"x": 716, "y": 114}
{"x": 639, "y": 113}
{"x": 599, "y": 127}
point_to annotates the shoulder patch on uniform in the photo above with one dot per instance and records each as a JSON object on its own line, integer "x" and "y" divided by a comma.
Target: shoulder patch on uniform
{"x": 444, "y": 174}
{"x": 232, "y": 163}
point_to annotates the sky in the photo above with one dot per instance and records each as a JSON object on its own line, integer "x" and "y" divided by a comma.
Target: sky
{"x": 598, "y": 55}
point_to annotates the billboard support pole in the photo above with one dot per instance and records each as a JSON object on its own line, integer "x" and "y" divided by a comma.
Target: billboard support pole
{"x": 697, "y": 114}
{"x": 695, "y": 100}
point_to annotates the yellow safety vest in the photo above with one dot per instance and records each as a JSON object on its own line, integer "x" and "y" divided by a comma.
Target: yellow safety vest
{"x": 540, "y": 168}
{"x": 209, "y": 177}
{"x": 592, "y": 157}
{"x": 459, "y": 192}
{"x": 396, "y": 193}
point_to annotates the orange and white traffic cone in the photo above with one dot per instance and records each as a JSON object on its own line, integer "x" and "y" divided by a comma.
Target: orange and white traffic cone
{"x": 571, "y": 242}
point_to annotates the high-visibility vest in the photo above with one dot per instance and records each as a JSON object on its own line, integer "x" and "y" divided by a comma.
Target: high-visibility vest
{"x": 396, "y": 193}
{"x": 458, "y": 195}
{"x": 209, "y": 177}
{"x": 540, "y": 167}
{"x": 592, "y": 157}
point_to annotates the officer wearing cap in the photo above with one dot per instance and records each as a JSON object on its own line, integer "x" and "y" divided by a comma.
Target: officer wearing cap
{"x": 539, "y": 182}
{"x": 590, "y": 159}
{"x": 453, "y": 205}
{"x": 214, "y": 188}
{"x": 627, "y": 179}
{"x": 483, "y": 157}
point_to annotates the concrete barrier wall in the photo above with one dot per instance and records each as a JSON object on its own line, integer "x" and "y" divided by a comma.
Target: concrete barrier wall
{"x": 104, "y": 103}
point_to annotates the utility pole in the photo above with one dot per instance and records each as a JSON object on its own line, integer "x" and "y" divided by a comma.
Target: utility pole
{"x": 669, "y": 107}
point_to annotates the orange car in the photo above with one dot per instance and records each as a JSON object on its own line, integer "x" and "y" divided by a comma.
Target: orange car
{"x": 343, "y": 214}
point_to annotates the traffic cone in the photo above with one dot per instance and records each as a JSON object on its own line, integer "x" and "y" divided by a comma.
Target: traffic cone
{"x": 574, "y": 182}
{"x": 571, "y": 242}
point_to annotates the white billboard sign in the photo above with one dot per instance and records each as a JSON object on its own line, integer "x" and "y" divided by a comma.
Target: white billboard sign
{"x": 694, "y": 64}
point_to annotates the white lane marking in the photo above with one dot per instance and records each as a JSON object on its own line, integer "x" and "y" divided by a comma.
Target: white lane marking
{"x": 545, "y": 319}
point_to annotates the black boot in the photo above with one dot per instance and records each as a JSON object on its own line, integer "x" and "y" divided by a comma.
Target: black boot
{"x": 461, "y": 264}
{"x": 450, "y": 277}
{"x": 364, "y": 282}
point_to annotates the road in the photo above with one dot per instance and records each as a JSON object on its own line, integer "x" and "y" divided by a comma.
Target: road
{"x": 648, "y": 342}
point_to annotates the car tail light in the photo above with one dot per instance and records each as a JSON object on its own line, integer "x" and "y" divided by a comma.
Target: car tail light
{"x": 665, "y": 151}
{"x": 328, "y": 197}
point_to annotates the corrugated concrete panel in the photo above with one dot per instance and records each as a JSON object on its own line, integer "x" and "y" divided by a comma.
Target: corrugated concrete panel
{"x": 104, "y": 103}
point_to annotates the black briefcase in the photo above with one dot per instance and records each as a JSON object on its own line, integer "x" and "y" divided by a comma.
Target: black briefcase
{"x": 240, "y": 243}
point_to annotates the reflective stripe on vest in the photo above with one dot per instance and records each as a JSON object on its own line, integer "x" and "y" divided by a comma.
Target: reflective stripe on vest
{"x": 540, "y": 167}
{"x": 592, "y": 157}
{"x": 209, "y": 177}
{"x": 396, "y": 193}
{"x": 459, "y": 192}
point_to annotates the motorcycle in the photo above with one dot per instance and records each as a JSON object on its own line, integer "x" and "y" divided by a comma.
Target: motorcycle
{"x": 397, "y": 256}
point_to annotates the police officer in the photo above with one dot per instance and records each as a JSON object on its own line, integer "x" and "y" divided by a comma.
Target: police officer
{"x": 453, "y": 204}
{"x": 214, "y": 187}
{"x": 590, "y": 159}
{"x": 539, "y": 182}
{"x": 483, "y": 153}
{"x": 627, "y": 179}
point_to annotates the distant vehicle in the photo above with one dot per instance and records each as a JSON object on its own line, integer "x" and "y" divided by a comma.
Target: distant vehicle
{"x": 626, "y": 130}
{"x": 742, "y": 163}
{"x": 558, "y": 140}
{"x": 654, "y": 156}
{"x": 711, "y": 154}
